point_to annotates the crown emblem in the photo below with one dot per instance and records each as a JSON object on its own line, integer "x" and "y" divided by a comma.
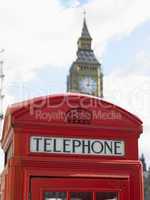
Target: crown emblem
{"x": 78, "y": 116}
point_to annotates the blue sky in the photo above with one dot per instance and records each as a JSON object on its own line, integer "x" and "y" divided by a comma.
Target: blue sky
{"x": 121, "y": 52}
{"x": 70, "y": 3}
{"x": 40, "y": 48}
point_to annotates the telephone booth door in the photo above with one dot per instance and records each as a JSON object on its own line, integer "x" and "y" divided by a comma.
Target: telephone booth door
{"x": 79, "y": 189}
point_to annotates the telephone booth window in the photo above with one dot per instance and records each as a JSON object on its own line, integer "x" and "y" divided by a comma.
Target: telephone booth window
{"x": 106, "y": 196}
{"x": 55, "y": 196}
{"x": 81, "y": 196}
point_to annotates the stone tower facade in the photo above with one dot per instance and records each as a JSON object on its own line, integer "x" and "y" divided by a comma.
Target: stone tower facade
{"x": 85, "y": 75}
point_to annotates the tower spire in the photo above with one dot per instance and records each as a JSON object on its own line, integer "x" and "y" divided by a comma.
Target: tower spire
{"x": 84, "y": 14}
{"x": 84, "y": 42}
{"x": 85, "y": 33}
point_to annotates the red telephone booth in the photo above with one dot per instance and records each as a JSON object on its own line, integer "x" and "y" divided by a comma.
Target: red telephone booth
{"x": 71, "y": 147}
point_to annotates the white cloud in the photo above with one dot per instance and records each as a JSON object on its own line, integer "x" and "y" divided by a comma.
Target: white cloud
{"x": 131, "y": 91}
{"x": 115, "y": 18}
{"x": 42, "y": 32}
{"x": 142, "y": 64}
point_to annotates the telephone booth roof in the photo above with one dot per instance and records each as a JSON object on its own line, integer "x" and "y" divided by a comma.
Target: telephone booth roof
{"x": 64, "y": 109}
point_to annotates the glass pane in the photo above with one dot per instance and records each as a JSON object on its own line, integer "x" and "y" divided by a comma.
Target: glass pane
{"x": 106, "y": 196}
{"x": 81, "y": 195}
{"x": 55, "y": 196}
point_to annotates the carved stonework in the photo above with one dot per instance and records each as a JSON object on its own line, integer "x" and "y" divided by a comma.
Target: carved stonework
{"x": 85, "y": 75}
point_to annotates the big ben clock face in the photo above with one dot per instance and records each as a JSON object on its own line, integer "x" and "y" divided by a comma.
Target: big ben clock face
{"x": 87, "y": 85}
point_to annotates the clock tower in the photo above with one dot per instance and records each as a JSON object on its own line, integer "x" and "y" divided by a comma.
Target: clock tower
{"x": 85, "y": 74}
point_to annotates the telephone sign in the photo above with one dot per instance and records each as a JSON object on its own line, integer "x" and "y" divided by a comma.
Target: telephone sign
{"x": 77, "y": 146}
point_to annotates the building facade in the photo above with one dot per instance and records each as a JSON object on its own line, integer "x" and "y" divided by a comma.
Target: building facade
{"x": 85, "y": 75}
